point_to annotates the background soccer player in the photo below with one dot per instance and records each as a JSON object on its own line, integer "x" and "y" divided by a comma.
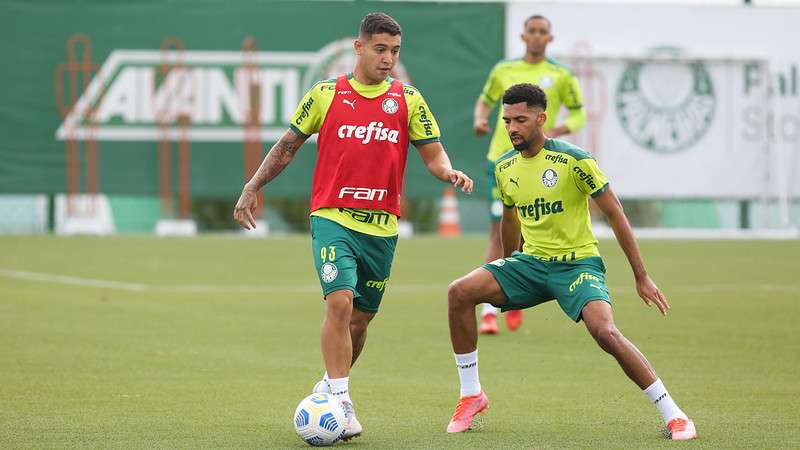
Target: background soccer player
{"x": 365, "y": 122}
{"x": 561, "y": 88}
{"x": 544, "y": 186}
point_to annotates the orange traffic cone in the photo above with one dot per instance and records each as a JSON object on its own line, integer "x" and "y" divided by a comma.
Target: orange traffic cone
{"x": 448, "y": 215}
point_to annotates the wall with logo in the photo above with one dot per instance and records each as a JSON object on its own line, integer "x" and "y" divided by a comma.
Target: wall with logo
{"x": 447, "y": 51}
{"x": 724, "y": 123}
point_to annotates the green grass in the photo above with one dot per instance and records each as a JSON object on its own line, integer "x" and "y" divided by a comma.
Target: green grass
{"x": 217, "y": 340}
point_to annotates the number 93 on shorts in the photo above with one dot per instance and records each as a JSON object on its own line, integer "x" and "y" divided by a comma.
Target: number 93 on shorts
{"x": 348, "y": 260}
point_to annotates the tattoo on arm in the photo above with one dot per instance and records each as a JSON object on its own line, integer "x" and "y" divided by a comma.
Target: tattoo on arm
{"x": 279, "y": 156}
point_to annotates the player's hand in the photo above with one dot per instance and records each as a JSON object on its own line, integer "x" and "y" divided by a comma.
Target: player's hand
{"x": 481, "y": 127}
{"x": 651, "y": 295}
{"x": 246, "y": 208}
{"x": 460, "y": 180}
{"x": 558, "y": 131}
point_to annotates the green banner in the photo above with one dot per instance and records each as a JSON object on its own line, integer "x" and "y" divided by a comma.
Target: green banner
{"x": 95, "y": 72}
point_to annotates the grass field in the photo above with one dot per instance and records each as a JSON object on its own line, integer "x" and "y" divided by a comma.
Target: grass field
{"x": 133, "y": 342}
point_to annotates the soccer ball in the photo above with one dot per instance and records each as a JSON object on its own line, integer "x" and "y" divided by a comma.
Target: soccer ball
{"x": 320, "y": 419}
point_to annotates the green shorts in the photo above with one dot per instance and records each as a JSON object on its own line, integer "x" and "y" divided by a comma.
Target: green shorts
{"x": 528, "y": 281}
{"x": 348, "y": 260}
{"x": 495, "y": 204}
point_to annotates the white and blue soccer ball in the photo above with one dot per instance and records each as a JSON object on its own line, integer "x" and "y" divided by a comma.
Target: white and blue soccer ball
{"x": 320, "y": 419}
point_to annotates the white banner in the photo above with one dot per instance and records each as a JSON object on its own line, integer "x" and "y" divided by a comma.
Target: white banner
{"x": 697, "y": 102}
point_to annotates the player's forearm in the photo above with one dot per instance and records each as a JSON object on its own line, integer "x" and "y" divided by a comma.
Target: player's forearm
{"x": 436, "y": 160}
{"x": 573, "y": 124}
{"x": 509, "y": 235}
{"x": 481, "y": 111}
{"x": 279, "y": 156}
{"x": 622, "y": 230}
{"x": 440, "y": 167}
{"x": 575, "y": 120}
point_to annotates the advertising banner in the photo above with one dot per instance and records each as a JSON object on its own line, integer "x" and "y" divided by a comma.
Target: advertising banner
{"x": 684, "y": 102}
{"x": 98, "y": 98}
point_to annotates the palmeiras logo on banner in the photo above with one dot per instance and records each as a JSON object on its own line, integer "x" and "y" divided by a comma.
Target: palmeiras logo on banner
{"x": 132, "y": 99}
{"x": 665, "y": 104}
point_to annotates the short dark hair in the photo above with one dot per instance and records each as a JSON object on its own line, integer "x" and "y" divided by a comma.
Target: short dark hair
{"x": 531, "y": 94}
{"x": 378, "y": 22}
{"x": 538, "y": 16}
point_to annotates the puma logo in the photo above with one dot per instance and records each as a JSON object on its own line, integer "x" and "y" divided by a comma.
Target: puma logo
{"x": 351, "y": 103}
{"x": 514, "y": 181}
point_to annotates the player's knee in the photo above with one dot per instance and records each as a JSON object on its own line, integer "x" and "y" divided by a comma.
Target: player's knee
{"x": 457, "y": 294}
{"x": 340, "y": 305}
{"x": 607, "y": 336}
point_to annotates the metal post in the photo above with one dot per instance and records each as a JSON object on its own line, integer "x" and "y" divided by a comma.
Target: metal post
{"x": 744, "y": 214}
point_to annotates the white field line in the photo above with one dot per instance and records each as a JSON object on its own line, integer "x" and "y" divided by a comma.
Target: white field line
{"x": 191, "y": 288}
{"x": 291, "y": 288}
{"x": 311, "y": 288}
{"x": 65, "y": 279}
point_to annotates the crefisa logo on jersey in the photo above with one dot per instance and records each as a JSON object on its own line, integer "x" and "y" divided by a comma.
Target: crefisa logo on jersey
{"x": 541, "y": 207}
{"x": 666, "y": 104}
{"x": 585, "y": 177}
{"x": 556, "y": 158}
{"x": 549, "y": 178}
{"x": 390, "y": 106}
{"x": 372, "y": 132}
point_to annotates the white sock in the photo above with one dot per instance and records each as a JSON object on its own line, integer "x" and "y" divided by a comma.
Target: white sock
{"x": 488, "y": 309}
{"x": 339, "y": 388}
{"x": 660, "y": 397}
{"x": 468, "y": 373}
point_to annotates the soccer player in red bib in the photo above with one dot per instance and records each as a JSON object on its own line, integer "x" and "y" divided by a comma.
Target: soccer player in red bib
{"x": 365, "y": 120}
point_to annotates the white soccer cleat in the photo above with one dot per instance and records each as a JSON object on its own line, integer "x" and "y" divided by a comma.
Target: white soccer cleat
{"x": 353, "y": 428}
{"x": 321, "y": 387}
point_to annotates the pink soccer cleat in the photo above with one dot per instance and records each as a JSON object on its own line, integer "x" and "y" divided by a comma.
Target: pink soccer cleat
{"x": 514, "y": 319}
{"x": 466, "y": 410}
{"x": 680, "y": 430}
{"x": 489, "y": 324}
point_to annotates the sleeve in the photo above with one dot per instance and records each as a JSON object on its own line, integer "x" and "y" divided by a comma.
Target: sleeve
{"x": 422, "y": 126}
{"x": 588, "y": 177}
{"x": 492, "y": 89}
{"x": 307, "y": 118}
{"x": 508, "y": 202}
{"x": 573, "y": 100}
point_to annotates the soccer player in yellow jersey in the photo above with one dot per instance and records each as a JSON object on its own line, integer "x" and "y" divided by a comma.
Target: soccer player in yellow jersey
{"x": 365, "y": 121}
{"x": 545, "y": 185}
{"x": 562, "y": 89}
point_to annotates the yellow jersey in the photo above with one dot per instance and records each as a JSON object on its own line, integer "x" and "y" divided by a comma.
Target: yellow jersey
{"x": 555, "y": 79}
{"x": 550, "y": 192}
